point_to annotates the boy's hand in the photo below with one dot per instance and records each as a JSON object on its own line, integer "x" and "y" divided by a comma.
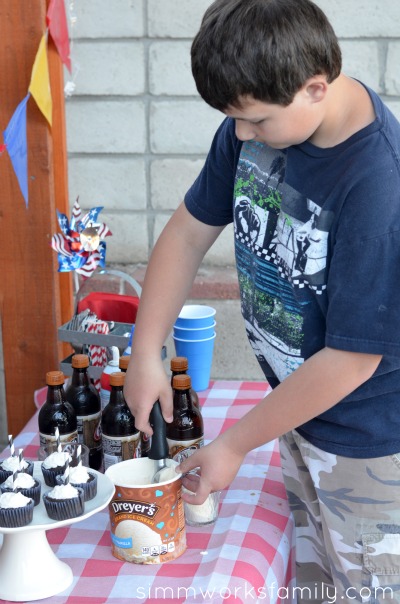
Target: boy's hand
{"x": 216, "y": 464}
{"x": 145, "y": 383}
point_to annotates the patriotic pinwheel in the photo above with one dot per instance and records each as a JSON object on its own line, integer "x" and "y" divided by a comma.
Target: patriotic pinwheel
{"x": 80, "y": 246}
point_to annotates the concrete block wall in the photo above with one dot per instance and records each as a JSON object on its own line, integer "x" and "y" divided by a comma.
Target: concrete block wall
{"x": 137, "y": 130}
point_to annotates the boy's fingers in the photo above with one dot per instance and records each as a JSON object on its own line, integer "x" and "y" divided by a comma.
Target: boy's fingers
{"x": 191, "y": 481}
{"x": 187, "y": 465}
{"x": 167, "y": 407}
{"x": 142, "y": 422}
{"x": 196, "y": 497}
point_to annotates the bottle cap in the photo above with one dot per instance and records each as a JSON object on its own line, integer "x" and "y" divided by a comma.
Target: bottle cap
{"x": 80, "y": 361}
{"x": 179, "y": 364}
{"x": 55, "y": 378}
{"x": 124, "y": 361}
{"x": 117, "y": 378}
{"x": 181, "y": 382}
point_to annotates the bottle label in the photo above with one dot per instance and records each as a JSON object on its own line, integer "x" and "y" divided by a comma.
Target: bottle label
{"x": 50, "y": 439}
{"x": 120, "y": 448}
{"x": 181, "y": 449}
{"x": 89, "y": 430}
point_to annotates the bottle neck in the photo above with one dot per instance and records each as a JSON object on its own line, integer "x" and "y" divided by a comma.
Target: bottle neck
{"x": 55, "y": 395}
{"x": 117, "y": 395}
{"x": 80, "y": 377}
{"x": 183, "y": 400}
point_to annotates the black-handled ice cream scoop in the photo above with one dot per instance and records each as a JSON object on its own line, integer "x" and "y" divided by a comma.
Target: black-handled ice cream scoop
{"x": 159, "y": 450}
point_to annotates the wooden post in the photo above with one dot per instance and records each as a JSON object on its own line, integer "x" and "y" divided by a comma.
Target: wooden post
{"x": 30, "y": 300}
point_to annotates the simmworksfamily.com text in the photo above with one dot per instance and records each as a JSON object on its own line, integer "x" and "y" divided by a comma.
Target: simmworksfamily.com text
{"x": 270, "y": 593}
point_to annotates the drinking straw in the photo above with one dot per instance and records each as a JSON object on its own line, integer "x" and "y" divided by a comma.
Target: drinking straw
{"x": 20, "y": 468}
{"x": 79, "y": 455}
{"x": 15, "y": 473}
{"x": 65, "y": 476}
{"x": 57, "y": 435}
{"x": 11, "y": 445}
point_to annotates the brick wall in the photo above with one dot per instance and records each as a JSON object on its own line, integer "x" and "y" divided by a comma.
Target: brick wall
{"x": 137, "y": 130}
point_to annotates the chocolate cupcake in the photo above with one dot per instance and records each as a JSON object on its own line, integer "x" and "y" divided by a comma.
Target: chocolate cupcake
{"x": 24, "y": 483}
{"x": 64, "y": 501}
{"x": 9, "y": 465}
{"x": 54, "y": 465}
{"x": 16, "y": 510}
{"x": 80, "y": 477}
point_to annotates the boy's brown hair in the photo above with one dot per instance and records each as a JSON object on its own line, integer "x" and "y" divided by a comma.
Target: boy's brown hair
{"x": 266, "y": 49}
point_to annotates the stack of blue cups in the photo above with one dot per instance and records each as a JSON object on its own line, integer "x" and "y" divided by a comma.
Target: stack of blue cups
{"x": 194, "y": 336}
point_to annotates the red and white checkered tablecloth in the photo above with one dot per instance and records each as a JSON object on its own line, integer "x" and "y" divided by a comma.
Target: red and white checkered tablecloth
{"x": 246, "y": 556}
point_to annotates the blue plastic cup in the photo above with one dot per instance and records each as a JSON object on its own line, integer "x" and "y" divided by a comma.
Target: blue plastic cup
{"x": 199, "y": 354}
{"x": 195, "y": 316}
{"x": 198, "y": 333}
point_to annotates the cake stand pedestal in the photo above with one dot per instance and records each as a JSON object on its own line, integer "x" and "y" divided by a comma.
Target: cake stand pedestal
{"x": 29, "y": 569}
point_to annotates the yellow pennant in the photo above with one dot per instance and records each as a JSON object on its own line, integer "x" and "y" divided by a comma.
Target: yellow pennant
{"x": 40, "y": 82}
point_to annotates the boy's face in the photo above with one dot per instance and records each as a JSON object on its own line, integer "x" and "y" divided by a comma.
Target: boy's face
{"x": 276, "y": 125}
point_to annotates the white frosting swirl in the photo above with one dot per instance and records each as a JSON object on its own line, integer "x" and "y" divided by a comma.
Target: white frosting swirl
{"x": 22, "y": 481}
{"x": 78, "y": 475}
{"x": 56, "y": 460}
{"x": 12, "y": 463}
{"x": 63, "y": 491}
{"x": 13, "y": 500}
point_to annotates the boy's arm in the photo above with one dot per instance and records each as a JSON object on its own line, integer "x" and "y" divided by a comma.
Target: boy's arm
{"x": 318, "y": 384}
{"x": 172, "y": 268}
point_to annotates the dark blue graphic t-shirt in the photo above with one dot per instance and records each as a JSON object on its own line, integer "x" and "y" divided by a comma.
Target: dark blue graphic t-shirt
{"x": 317, "y": 242}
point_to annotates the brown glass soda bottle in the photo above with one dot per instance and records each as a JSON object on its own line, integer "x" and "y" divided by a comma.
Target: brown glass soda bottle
{"x": 85, "y": 399}
{"x": 185, "y": 433}
{"x": 145, "y": 440}
{"x": 56, "y": 412}
{"x": 124, "y": 362}
{"x": 120, "y": 437}
{"x": 179, "y": 366}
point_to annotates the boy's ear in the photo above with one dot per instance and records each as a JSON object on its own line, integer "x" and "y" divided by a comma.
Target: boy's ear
{"x": 316, "y": 88}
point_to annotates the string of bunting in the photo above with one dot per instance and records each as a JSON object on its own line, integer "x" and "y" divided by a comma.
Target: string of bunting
{"x": 15, "y": 137}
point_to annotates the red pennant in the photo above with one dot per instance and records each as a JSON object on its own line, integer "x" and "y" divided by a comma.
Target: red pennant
{"x": 57, "y": 22}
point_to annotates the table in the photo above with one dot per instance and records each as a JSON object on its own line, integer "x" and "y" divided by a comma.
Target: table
{"x": 246, "y": 556}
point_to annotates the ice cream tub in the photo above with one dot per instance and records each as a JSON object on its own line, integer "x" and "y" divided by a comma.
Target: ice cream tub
{"x": 147, "y": 520}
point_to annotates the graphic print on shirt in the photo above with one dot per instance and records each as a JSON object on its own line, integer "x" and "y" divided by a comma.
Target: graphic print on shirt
{"x": 281, "y": 246}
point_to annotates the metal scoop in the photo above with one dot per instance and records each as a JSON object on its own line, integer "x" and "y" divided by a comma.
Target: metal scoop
{"x": 159, "y": 450}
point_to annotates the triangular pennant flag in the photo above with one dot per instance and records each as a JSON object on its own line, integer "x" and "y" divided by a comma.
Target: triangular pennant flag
{"x": 57, "y": 22}
{"x": 16, "y": 144}
{"x": 40, "y": 81}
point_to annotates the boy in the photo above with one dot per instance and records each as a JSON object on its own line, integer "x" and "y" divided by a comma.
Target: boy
{"x": 306, "y": 166}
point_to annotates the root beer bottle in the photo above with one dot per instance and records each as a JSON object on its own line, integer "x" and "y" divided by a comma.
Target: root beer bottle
{"x": 179, "y": 366}
{"x": 120, "y": 437}
{"x": 85, "y": 400}
{"x": 145, "y": 440}
{"x": 124, "y": 362}
{"x": 56, "y": 412}
{"x": 186, "y": 433}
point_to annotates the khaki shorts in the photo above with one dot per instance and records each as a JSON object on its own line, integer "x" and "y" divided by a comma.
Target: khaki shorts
{"x": 347, "y": 516}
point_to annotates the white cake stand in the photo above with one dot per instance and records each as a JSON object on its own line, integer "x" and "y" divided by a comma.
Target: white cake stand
{"x": 29, "y": 569}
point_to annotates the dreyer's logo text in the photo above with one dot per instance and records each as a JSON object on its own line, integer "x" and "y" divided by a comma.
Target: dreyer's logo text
{"x": 135, "y": 507}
